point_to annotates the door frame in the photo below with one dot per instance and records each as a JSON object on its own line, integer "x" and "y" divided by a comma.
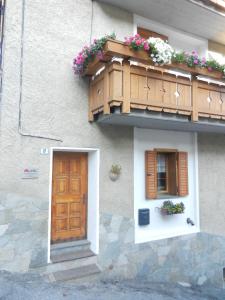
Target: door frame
{"x": 93, "y": 195}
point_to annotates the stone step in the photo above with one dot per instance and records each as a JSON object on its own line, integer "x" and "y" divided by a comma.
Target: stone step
{"x": 75, "y": 273}
{"x": 72, "y": 255}
{"x": 65, "y": 265}
{"x": 73, "y": 246}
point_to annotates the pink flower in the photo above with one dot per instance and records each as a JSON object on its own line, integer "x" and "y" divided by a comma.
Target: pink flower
{"x": 100, "y": 55}
{"x": 146, "y": 46}
{"x": 195, "y": 61}
{"x": 137, "y": 35}
{"x": 138, "y": 42}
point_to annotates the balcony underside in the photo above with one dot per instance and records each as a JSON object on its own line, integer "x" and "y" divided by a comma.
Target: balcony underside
{"x": 159, "y": 120}
{"x": 184, "y": 15}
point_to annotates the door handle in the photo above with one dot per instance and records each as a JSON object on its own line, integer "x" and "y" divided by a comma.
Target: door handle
{"x": 84, "y": 198}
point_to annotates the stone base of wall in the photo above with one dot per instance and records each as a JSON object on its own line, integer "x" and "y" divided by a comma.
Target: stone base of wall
{"x": 195, "y": 258}
{"x": 23, "y": 232}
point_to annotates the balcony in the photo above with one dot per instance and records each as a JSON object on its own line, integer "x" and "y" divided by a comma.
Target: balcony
{"x": 132, "y": 92}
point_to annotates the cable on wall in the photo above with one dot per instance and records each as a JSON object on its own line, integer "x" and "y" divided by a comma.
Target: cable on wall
{"x": 2, "y": 17}
{"x": 92, "y": 17}
{"x": 20, "y": 131}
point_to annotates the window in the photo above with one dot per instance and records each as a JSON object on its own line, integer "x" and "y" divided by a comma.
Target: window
{"x": 166, "y": 173}
{"x": 145, "y": 33}
{"x": 162, "y": 173}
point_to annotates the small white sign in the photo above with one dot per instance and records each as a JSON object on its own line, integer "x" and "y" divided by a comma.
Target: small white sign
{"x": 44, "y": 151}
{"x": 30, "y": 173}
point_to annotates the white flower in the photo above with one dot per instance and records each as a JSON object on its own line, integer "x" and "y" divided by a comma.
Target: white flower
{"x": 164, "y": 50}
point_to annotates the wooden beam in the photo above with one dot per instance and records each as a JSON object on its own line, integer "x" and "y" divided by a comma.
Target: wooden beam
{"x": 106, "y": 109}
{"x": 126, "y": 87}
{"x": 194, "y": 94}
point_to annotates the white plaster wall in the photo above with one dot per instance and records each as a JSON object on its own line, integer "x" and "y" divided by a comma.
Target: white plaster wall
{"x": 93, "y": 200}
{"x": 164, "y": 226}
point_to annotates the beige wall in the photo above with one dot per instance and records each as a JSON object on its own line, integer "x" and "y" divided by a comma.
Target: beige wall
{"x": 55, "y": 104}
{"x": 54, "y": 101}
{"x": 211, "y": 149}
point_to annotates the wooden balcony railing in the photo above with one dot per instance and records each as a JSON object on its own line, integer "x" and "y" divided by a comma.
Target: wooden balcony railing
{"x": 137, "y": 87}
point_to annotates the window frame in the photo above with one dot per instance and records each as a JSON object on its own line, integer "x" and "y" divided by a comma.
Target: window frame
{"x": 177, "y": 178}
{"x": 167, "y": 152}
{"x": 147, "y": 33}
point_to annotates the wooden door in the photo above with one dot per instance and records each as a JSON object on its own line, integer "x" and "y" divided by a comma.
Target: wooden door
{"x": 69, "y": 196}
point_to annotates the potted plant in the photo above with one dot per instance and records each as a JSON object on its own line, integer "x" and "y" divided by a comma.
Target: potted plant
{"x": 115, "y": 172}
{"x": 169, "y": 208}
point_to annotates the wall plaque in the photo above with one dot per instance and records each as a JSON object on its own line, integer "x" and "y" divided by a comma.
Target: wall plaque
{"x": 30, "y": 173}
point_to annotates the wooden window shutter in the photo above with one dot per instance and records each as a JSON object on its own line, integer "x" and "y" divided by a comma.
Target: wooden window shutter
{"x": 151, "y": 174}
{"x": 172, "y": 173}
{"x": 182, "y": 168}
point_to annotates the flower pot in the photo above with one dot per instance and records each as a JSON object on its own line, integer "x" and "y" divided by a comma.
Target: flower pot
{"x": 165, "y": 212}
{"x": 113, "y": 176}
{"x": 198, "y": 70}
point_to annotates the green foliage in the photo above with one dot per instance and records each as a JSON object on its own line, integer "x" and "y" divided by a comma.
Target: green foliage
{"x": 214, "y": 65}
{"x": 88, "y": 53}
{"x": 116, "y": 169}
{"x": 170, "y": 208}
{"x": 179, "y": 57}
{"x": 159, "y": 51}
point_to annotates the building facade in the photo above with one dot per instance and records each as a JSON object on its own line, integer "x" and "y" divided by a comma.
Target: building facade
{"x": 55, "y": 164}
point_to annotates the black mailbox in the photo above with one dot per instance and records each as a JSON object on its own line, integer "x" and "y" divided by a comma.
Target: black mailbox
{"x": 143, "y": 216}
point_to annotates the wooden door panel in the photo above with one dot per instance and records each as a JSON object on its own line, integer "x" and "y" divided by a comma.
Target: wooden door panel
{"x": 69, "y": 194}
{"x": 75, "y": 166}
{"x": 75, "y": 186}
{"x": 75, "y": 208}
{"x": 61, "y": 210}
{"x": 62, "y": 167}
{"x": 61, "y": 185}
{"x": 75, "y": 223}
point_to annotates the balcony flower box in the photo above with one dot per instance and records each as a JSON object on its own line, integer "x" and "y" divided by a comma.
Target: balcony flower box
{"x": 169, "y": 208}
{"x": 198, "y": 71}
{"x": 114, "y": 48}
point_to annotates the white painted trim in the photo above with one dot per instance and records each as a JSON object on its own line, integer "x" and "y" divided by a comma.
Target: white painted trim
{"x": 197, "y": 208}
{"x": 160, "y": 227}
{"x": 72, "y": 149}
{"x": 50, "y": 206}
{"x": 176, "y": 37}
{"x": 169, "y": 235}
